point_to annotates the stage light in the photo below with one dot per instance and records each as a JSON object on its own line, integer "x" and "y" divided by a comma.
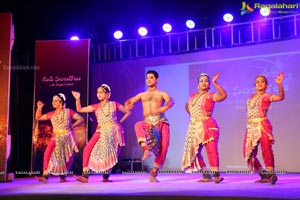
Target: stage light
{"x": 265, "y": 12}
{"x": 142, "y": 31}
{"x": 118, "y": 34}
{"x": 228, "y": 17}
{"x": 167, "y": 27}
{"x": 190, "y": 24}
{"x": 74, "y": 37}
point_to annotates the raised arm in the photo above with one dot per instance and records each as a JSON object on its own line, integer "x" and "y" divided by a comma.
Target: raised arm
{"x": 129, "y": 104}
{"x": 221, "y": 95}
{"x": 86, "y": 109}
{"x": 124, "y": 110}
{"x": 280, "y": 96}
{"x": 38, "y": 113}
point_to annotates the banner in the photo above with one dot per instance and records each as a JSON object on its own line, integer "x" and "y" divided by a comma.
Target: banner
{"x": 61, "y": 66}
{"x": 6, "y": 36}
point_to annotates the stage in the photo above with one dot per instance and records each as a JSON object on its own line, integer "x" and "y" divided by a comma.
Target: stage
{"x": 137, "y": 186}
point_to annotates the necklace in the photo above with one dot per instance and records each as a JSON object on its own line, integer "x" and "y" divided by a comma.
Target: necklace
{"x": 105, "y": 108}
{"x": 254, "y": 100}
{"x": 195, "y": 99}
{"x": 59, "y": 114}
{"x": 59, "y": 118}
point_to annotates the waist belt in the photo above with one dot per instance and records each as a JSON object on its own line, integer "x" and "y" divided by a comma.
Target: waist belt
{"x": 255, "y": 120}
{"x": 61, "y": 131}
{"x": 198, "y": 119}
{"x": 104, "y": 125}
{"x": 153, "y": 119}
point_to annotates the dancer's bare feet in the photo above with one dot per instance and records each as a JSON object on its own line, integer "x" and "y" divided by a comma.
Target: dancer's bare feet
{"x": 63, "y": 179}
{"x": 262, "y": 180}
{"x": 153, "y": 179}
{"x": 205, "y": 180}
{"x": 106, "y": 180}
{"x": 146, "y": 155}
{"x": 41, "y": 179}
{"x": 153, "y": 175}
{"x": 273, "y": 179}
{"x": 218, "y": 179}
{"x": 81, "y": 179}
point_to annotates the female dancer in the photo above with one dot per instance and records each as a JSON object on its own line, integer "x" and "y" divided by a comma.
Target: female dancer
{"x": 259, "y": 129}
{"x": 59, "y": 153}
{"x": 101, "y": 152}
{"x": 203, "y": 130}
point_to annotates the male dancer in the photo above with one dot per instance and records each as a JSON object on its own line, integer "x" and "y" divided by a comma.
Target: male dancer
{"x": 153, "y": 134}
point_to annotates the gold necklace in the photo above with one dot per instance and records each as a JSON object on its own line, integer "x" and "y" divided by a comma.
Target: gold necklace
{"x": 195, "y": 99}
{"x": 59, "y": 115}
{"x": 108, "y": 109}
{"x": 254, "y": 100}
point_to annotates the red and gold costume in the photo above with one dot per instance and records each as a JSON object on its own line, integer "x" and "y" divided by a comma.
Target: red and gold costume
{"x": 101, "y": 152}
{"x": 59, "y": 153}
{"x": 259, "y": 131}
{"x": 155, "y": 132}
{"x": 203, "y": 131}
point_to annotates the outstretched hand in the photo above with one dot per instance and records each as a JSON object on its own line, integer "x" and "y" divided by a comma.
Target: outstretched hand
{"x": 279, "y": 78}
{"x": 216, "y": 76}
{"x": 75, "y": 94}
{"x": 40, "y": 104}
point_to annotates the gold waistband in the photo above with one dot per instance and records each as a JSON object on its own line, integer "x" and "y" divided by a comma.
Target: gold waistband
{"x": 198, "y": 119}
{"x": 255, "y": 120}
{"x": 60, "y": 131}
{"x": 105, "y": 125}
{"x": 153, "y": 119}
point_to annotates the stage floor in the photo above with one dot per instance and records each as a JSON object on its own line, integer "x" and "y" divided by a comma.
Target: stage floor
{"x": 137, "y": 186}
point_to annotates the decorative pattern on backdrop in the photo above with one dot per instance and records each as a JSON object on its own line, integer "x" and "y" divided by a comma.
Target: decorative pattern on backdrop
{"x": 62, "y": 66}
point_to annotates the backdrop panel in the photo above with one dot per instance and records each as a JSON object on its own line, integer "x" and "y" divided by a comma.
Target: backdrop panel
{"x": 238, "y": 67}
{"x": 62, "y": 66}
{"x": 6, "y": 36}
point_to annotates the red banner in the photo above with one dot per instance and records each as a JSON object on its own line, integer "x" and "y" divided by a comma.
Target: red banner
{"x": 6, "y": 36}
{"x": 61, "y": 66}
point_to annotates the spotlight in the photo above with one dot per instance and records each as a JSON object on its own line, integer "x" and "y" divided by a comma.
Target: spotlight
{"x": 167, "y": 27}
{"x": 190, "y": 24}
{"x": 228, "y": 17}
{"x": 265, "y": 11}
{"x": 142, "y": 31}
{"x": 118, "y": 34}
{"x": 74, "y": 37}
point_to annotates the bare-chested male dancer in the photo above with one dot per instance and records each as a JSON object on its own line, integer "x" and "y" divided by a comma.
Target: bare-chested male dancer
{"x": 153, "y": 134}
